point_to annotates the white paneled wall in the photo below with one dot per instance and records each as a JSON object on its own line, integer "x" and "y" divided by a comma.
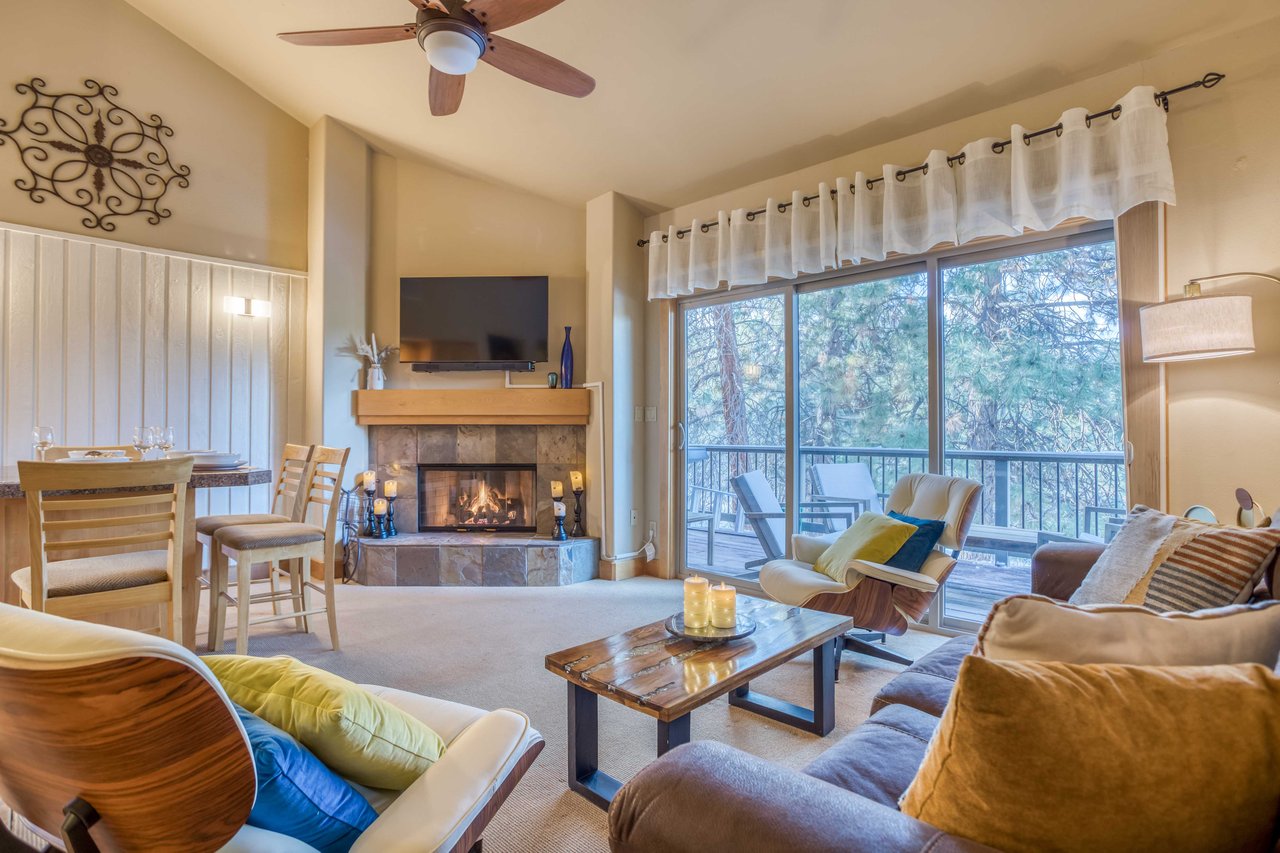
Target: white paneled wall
{"x": 98, "y": 337}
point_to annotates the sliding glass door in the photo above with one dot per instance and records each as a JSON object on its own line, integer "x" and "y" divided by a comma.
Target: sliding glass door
{"x": 735, "y": 417}
{"x": 1034, "y": 411}
{"x": 803, "y": 404}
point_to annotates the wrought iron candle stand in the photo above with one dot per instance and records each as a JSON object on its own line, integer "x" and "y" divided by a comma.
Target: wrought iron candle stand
{"x": 391, "y": 517}
{"x": 578, "y": 530}
{"x": 371, "y": 521}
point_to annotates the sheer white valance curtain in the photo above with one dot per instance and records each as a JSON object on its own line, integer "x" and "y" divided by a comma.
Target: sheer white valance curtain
{"x": 1095, "y": 170}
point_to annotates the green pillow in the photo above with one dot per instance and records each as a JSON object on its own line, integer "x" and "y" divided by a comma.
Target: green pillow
{"x": 359, "y": 736}
{"x": 872, "y": 537}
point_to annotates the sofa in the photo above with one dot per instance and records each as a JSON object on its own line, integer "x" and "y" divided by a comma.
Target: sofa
{"x": 707, "y": 796}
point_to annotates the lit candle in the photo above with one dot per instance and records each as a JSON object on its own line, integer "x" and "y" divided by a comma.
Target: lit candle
{"x": 557, "y": 489}
{"x": 724, "y": 606}
{"x": 370, "y": 481}
{"x": 575, "y": 480}
{"x": 390, "y": 488}
{"x": 696, "y": 603}
{"x": 380, "y": 507}
{"x": 559, "y": 508}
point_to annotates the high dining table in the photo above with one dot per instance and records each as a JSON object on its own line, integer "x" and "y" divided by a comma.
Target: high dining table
{"x": 15, "y": 543}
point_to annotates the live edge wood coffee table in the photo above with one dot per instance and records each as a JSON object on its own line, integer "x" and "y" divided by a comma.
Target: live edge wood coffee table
{"x": 650, "y": 671}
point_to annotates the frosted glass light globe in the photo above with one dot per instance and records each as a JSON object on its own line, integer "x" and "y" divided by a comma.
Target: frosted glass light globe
{"x": 451, "y": 52}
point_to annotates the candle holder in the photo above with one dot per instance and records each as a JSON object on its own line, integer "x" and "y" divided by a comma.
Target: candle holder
{"x": 380, "y": 523}
{"x": 578, "y": 530}
{"x": 557, "y": 509}
{"x": 391, "y": 517}
{"x": 370, "y": 520}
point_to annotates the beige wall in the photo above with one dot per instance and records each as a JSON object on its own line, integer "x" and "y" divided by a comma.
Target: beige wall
{"x": 1222, "y": 414}
{"x": 248, "y": 159}
{"x": 431, "y": 222}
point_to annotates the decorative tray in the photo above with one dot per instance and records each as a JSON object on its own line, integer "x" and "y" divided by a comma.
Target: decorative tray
{"x": 675, "y": 625}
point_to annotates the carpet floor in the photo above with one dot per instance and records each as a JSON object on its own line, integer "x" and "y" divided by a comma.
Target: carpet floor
{"x": 485, "y": 647}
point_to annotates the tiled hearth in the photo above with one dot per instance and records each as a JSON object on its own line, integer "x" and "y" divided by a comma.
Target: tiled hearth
{"x": 476, "y": 558}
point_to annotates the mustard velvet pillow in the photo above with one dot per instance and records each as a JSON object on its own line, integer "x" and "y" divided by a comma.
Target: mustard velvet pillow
{"x": 872, "y": 537}
{"x": 1034, "y": 756}
{"x": 360, "y": 736}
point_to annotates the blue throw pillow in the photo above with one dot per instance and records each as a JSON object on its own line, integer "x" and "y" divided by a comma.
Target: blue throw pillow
{"x": 915, "y": 551}
{"x": 298, "y": 795}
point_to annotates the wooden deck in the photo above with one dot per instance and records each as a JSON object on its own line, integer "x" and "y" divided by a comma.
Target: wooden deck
{"x": 976, "y": 583}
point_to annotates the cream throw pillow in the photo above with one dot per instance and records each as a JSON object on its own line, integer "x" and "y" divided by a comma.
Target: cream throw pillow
{"x": 1032, "y": 627}
{"x": 1103, "y": 757}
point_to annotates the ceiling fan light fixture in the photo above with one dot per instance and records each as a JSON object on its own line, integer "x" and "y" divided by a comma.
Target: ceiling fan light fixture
{"x": 452, "y": 51}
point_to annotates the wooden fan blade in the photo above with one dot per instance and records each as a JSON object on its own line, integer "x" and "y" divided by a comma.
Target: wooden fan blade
{"x": 431, "y": 4}
{"x": 445, "y": 92}
{"x": 536, "y": 67}
{"x": 500, "y": 14}
{"x": 358, "y": 35}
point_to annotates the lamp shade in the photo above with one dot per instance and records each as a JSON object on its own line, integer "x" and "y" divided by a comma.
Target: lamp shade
{"x": 1197, "y": 327}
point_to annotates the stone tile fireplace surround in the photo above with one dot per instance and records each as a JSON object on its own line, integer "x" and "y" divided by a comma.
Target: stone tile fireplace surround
{"x": 472, "y": 559}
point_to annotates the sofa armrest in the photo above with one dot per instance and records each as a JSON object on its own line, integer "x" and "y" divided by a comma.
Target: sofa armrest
{"x": 757, "y": 806}
{"x": 1058, "y": 568}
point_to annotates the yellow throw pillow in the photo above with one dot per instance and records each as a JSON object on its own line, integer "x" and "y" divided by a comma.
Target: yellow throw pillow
{"x": 872, "y": 537}
{"x": 356, "y": 734}
{"x": 1056, "y": 756}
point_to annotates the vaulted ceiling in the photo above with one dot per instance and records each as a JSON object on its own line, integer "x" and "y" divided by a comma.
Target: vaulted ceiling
{"x": 693, "y": 96}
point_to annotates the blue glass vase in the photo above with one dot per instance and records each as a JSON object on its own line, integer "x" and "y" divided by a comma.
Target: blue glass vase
{"x": 566, "y": 360}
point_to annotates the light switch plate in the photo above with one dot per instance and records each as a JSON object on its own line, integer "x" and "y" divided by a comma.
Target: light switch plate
{"x": 651, "y": 414}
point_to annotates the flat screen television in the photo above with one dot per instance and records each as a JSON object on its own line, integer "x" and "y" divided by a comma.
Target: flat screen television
{"x": 475, "y": 323}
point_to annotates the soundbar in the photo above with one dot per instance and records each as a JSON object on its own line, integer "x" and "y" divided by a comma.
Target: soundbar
{"x": 446, "y": 366}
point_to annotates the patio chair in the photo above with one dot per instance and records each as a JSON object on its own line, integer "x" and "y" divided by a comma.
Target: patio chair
{"x": 835, "y": 482}
{"x": 879, "y": 598}
{"x": 708, "y": 506}
{"x": 767, "y": 517}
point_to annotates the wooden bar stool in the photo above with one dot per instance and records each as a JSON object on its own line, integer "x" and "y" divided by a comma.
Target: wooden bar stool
{"x": 293, "y": 463}
{"x": 290, "y": 547}
{"x": 134, "y": 504}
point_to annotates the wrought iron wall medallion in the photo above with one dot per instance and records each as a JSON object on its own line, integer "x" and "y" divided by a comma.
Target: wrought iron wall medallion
{"x": 90, "y": 152}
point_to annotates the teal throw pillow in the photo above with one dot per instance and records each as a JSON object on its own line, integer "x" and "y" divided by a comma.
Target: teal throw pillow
{"x": 911, "y": 556}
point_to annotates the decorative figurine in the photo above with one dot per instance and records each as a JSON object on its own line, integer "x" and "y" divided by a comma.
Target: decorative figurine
{"x": 553, "y": 379}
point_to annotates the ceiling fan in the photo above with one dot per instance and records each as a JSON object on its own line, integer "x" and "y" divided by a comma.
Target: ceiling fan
{"x": 456, "y": 34}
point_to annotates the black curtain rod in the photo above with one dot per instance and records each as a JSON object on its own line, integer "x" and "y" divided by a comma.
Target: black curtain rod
{"x": 1208, "y": 81}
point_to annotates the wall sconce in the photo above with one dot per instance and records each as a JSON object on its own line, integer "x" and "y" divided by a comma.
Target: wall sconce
{"x": 1197, "y": 327}
{"x": 246, "y": 307}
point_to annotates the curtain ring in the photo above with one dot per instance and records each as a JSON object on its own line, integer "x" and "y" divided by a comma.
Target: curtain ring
{"x": 705, "y": 228}
{"x": 925, "y": 170}
{"x": 959, "y": 159}
{"x": 853, "y": 190}
{"x": 997, "y": 147}
{"x": 782, "y": 207}
{"x": 871, "y": 185}
{"x": 1057, "y": 131}
{"x": 680, "y": 234}
{"x": 900, "y": 175}
{"x": 1115, "y": 112}
{"x": 1026, "y": 139}
{"x": 664, "y": 238}
{"x": 1088, "y": 121}
{"x": 805, "y": 201}
{"x": 751, "y": 216}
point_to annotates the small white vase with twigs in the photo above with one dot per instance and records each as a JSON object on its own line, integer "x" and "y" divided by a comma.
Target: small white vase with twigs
{"x": 375, "y": 378}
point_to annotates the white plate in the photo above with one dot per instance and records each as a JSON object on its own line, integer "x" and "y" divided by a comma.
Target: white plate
{"x": 95, "y": 454}
{"x": 209, "y": 458}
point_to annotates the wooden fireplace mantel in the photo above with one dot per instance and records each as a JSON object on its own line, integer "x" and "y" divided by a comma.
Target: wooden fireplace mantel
{"x": 514, "y": 406}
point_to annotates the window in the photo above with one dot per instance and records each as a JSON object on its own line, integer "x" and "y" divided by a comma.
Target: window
{"x": 804, "y": 403}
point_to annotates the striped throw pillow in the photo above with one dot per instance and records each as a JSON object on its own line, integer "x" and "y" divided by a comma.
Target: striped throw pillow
{"x": 1174, "y": 564}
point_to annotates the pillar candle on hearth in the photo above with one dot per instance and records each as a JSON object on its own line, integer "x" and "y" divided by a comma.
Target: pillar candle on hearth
{"x": 724, "y": 606}
{"x": 369, "y": 481}
{"x": 697, "y": 606}
{"x": 558, "y": 508}
{"x": 390, "y": 488}
{"x": 557, "y": 490}
{"x": 380, "y": 506}
{"x": 575, "y": 480}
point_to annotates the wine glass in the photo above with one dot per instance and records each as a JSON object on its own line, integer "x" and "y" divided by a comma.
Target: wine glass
{"x": 141, "y": 441}
{"x": 42, "y": 439}
{"x": 165, "y": 439}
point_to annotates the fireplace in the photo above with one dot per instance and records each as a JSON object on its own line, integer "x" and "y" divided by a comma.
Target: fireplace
{"x": 477, "y": 497}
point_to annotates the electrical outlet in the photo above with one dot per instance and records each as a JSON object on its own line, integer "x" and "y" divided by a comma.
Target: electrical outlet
{"x": 635, "y": 517}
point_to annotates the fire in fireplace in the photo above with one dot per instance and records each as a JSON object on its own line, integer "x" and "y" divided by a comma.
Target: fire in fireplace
{"x": 477, "y": 497}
